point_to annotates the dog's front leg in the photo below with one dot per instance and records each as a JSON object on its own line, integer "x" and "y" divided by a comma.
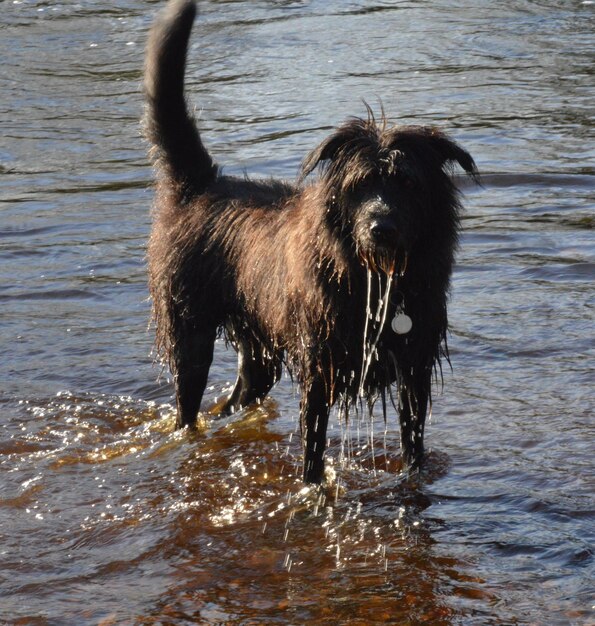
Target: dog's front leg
{"x": 414, "y": 394}
{"x": 314, "y": 413}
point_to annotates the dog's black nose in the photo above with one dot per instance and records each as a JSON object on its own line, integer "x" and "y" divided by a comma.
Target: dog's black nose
{"x": 383, "y": 231}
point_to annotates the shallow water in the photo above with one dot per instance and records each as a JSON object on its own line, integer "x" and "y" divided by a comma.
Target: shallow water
{"x": 108, "y": 516}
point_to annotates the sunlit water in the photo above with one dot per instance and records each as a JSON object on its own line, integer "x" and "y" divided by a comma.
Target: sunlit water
{"x": 108, "y": 516}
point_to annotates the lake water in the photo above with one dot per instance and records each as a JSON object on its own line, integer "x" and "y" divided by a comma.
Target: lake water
{"x": 108, "y": 516}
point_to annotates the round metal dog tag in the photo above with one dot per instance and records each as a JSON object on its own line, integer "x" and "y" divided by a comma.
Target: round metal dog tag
{"x": 401, "y": 323}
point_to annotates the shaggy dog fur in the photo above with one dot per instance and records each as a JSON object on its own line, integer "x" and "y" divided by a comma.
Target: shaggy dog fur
{"x": 313, "y": 276}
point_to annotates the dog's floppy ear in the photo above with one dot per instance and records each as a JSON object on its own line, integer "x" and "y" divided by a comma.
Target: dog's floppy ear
{"x": 452, "y": 152}
{"x": 326, "y": 151}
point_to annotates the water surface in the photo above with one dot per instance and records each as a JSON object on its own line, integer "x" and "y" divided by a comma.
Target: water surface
{"x": 108, "y": 516}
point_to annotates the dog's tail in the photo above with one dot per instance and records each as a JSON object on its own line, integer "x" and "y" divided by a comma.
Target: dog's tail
{"x": 177, "y": 149}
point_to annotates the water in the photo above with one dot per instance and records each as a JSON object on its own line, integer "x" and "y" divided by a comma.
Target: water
{"x": 107, "y": 516}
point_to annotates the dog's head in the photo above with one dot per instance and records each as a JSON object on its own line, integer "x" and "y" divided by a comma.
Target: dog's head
{"x": 387, "y": 188}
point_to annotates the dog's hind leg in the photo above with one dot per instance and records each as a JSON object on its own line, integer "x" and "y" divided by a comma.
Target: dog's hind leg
{"x": 192, "y": 359}
{"x": 314, "y": 413}
{"x": 414, "y": 395}
{"x": 258, "y": 371}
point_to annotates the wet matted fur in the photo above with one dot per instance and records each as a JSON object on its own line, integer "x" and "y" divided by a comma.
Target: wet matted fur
{"x": 325, "y": 276}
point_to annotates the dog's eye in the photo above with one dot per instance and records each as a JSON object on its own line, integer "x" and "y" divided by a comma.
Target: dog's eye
{"x": 367, "y": 185}
{"x": 405, "y": 181}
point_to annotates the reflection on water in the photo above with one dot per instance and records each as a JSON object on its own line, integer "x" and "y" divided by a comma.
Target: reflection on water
{"x": 108, "y": 516}
{"x": 216, "y": 523}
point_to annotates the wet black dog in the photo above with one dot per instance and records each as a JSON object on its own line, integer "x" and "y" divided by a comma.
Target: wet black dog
{"x": 344, "y": 280}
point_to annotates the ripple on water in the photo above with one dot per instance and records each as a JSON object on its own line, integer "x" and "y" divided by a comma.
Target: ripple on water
{"x": 107, "y": 516}
{"x": 106, "y": 491}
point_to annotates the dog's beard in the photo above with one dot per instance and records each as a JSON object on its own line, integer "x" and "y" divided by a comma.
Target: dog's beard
{"x": 381, "y": 261}
{"x": 375, "y": 321}
{"x": 386, "y": 261}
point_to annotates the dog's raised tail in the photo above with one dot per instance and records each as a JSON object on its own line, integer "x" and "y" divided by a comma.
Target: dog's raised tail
{"x": 177, "y": 149}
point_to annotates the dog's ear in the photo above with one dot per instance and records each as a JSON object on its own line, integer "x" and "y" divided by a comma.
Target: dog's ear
{"x": 453, "y": 153}
{"x": 326, "y": 151}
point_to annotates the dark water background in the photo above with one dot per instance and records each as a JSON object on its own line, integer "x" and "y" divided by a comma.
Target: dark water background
{"x": 109, "y": 517}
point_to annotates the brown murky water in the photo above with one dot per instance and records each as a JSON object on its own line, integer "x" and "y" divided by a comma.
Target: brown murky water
{"x": 108, "y": 516}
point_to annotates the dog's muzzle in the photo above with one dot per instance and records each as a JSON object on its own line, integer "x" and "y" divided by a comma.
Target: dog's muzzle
{"x": 380, "y": 240}
{"x": 384, "y": 233}
{"x": 382, "y": 251}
